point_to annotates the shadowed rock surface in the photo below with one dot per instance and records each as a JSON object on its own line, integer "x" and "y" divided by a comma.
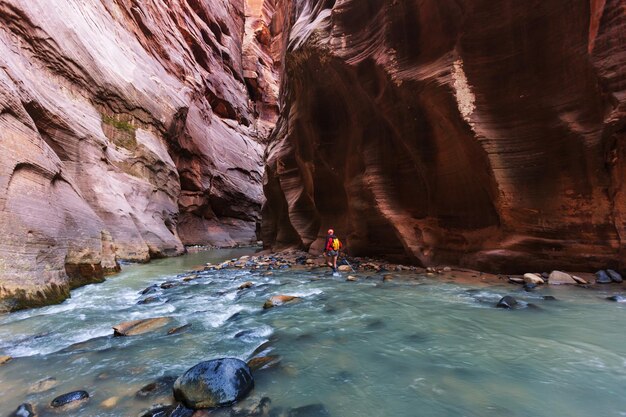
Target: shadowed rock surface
{"x": 128, "y": 129}
{"x": 445, "y": 131}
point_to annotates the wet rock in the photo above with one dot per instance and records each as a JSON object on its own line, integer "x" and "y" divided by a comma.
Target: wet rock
{"x": 579, "y": 280}
{"x": 43, "y": 385}
{"x": 560, "y": 278}
{"x": 181, "y": 411}
{"x": 617, "y": 298}
{"x": 447, "y": 269}
{"x": 150, "y": 290}
{"x": 278, "y": 300}
{"x": 69, "y": 398}
{"x": 263, "y": 362}
{"x": 352, "y": 278}
{"x": 179, "y": 329}
{"x": 387, "y": 277}
{"x": 149, "y": 300}
{"x": 615, "y": 276}
{"x": 24, "y": 410}
{"x": 161, "y": 386}
{"x": 312, "y": 410}
{"x": 190, "y": 278}
{"x": 528, "y": 287}
{"x": 157, "y": 410}
{"x": 603, "y": 278}
{"x": 516, "y": 280}
{"x": 344, "y": 268}
{"x": 4, "y": 359}
{"x": 549, "y": 297}
{"x": 533, "y": 279}
{"x": 214, "y": 383}
{"x": 507, "y": 302}
{"x": 170, "y": 284}
{"x": 136, "y": 327}
{"x": 245, "y": 285}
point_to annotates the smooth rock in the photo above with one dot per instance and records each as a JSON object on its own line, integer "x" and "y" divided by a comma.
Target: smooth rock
{"x": 263, "y": 362}
{"x": 615, "y": 276}
{"x": 110, "y": 402}
{"x": 5, "y": 359}
{"x": 560, "y": 278}
{"x": 603, "y": 278}
{"x": 214, "y": 383}
{"x": 136, "y": 327}
{"x": 579, "y": 280}
{"x": 69, "y": 398}
{"x": 507, "y": 302}
{"x": 179, "y": 329}
{"x": 344, "y": 268}
{"x": 533, "y": 279}
{"x": 352, "y": 278}
{"x": 278, "y": 300}
{"x": 516, "y": 280}
{"x": 24, "y": 410}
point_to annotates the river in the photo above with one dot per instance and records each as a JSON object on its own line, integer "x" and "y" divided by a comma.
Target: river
{"x": 405, "y": 348}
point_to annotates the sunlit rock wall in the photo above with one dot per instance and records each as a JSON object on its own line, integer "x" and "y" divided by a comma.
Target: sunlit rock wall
{"x": 480, "y": 133}
{"x": 126, "y": 131}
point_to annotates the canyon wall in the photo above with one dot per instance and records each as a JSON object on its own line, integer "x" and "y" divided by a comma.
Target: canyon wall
{"x": 479, "y": 133}
{"x": 127, "y": 130}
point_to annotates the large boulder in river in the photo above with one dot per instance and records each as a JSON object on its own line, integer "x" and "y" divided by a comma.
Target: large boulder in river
{"x": 603, "y": 278}
{"x": 135, "y": 327}
{"x": 278, "y": 300}
{"x": 214, "y": 383}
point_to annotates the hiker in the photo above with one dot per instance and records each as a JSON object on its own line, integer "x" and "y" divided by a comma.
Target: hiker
{"x": 331, "y": 249}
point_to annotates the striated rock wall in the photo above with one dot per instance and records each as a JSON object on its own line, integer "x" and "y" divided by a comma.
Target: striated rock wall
{"x": 484, "y": 134}
{"x": 127, "y": 129}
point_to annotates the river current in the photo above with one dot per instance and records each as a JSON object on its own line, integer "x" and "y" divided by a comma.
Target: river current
{"x": 405, "y": 348}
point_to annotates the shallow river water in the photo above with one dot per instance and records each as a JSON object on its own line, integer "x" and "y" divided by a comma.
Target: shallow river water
{"x": 405, "y": 348}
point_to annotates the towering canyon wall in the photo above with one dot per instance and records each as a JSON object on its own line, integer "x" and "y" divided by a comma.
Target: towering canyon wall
{"x": 127, "y": 129}
{"x": 481, "y": 133}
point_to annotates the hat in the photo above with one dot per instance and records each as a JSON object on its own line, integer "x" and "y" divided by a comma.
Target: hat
{"x": 331, "y": 232}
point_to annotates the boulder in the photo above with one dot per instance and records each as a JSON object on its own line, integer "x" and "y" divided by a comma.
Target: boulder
{"x": 560, "y": 278}
{"x": 507, "y": 302}
{"x": 533, "y": 279}
{"x": 603, "y": 278}
{"x": 69, "y": 398}
{"x": 352, "y": 278}
{"x": 214, "y": 383}
{"x": 246, "y": 285}
{"x": 4, "y": 359}
{"x": 150, "y": 290}
{"x": 24, "y": 410}
{"x": 136, "y": 327}
{"x": 615, "y": 276}
{"x": 263, "y": 362}
{"x": 170, "y": 284}
{"x": 278, "y": 300}
{"x": 344, "y": 268}
{"x": 579, "y": 280}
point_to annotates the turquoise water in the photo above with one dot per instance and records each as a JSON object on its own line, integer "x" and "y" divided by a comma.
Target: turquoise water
{"x": 413, "y": 347}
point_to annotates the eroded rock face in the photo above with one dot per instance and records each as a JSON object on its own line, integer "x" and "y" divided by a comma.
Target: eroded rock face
{"x": 445, "y": 131}
{"x": 128, "y": 130}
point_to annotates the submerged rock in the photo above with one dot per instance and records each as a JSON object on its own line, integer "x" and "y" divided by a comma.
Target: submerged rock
{"x": 603, "y": 278}
{"x": 135, "y": 327}
{"x": 69, "y": 398}
{"x": 149, "y": 300}
{"x": 214, "y": 383}
{"x": 43, "y": 385}
{"x": 507, "y": 302}
{"x": 312, "y": 410}
{"x": 263, "y": 362}
{"x": 179, "y": 329}
{"x": 615, "y": 276}
{"x": 246, "y": 285}
{"x": 161, "y": 386}
{"x": 617, "y": 298}
{"x": 24, "y": 410}
{"x": 4, "y": 359}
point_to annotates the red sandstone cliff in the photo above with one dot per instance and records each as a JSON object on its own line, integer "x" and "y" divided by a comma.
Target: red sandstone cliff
{"x": 127, "y": 129}
{"x": 481, "y": 133}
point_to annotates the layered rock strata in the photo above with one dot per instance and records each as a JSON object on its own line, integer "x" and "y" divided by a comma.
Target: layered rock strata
{"x": 458, "y": 131}
{"x": 127, "y": 130}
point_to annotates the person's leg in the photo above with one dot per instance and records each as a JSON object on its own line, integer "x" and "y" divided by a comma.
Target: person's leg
{"x": 327, "y": 258}
{"x": 335, "y": 262}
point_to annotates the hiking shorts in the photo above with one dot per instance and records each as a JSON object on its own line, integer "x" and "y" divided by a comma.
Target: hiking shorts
{"x": 332, "y": 253}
